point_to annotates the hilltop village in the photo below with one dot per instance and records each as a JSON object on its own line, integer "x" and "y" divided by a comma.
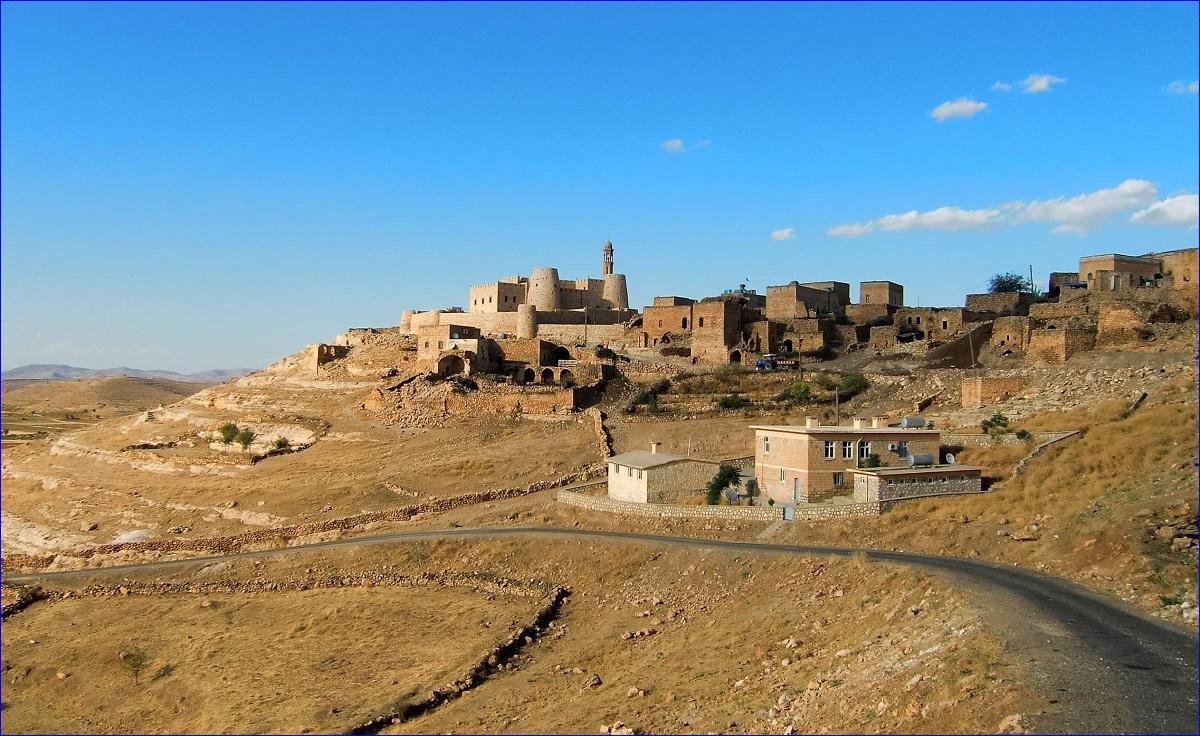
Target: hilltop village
{"x": 544, "y": 345}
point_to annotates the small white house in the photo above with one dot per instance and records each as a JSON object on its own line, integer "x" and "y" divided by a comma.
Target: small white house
{"x": 657, "y": 477}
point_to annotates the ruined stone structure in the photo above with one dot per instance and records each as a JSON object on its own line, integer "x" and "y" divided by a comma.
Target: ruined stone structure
{"x": 1000, "y": 304}
{"x": 1056, "y": 346}
{"x": 981, "y": 391}
{"x": 1010, "y": 334}
{"x": 881, "y": 292}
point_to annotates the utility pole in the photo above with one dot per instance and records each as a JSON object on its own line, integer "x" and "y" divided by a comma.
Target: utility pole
{"x": 837, "y": 407}
{"x": 1031, "y": 278}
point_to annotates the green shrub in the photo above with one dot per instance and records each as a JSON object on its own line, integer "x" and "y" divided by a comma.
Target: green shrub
{"x": 874, "y": 461}
{"x": 852, "y": 384}
{"x": 733, "y": 401}
{"x": 997, "y": 421}
{"x": 134, "y": 661}
{"x": 1023, "y": 434}
{"x": 824, "y": 381}
{"x": 281, "y": 443}
{"x": 228, "y": 432}
{"x": 652, "y": 405}
{"x": 796, "y": 392}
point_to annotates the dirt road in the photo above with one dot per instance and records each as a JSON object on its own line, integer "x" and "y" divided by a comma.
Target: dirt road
{"x": 1113, "y": 669}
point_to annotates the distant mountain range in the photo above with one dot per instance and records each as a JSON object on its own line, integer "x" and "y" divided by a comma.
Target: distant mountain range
{"x": 63, "y": 372}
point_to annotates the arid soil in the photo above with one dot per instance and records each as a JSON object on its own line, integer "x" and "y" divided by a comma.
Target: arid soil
{"x": 648, "y": 639}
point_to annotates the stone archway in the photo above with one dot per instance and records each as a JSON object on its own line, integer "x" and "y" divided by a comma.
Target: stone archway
{"x": 548, "y": 376}
{"x": 451, "y": 365}
{"x": 559, "y": 353}
{"x": 735, "y": 356}
{"x": 787, "y": 346}
{"x": 529, "y": 376}
{"x": 566, "y": 379}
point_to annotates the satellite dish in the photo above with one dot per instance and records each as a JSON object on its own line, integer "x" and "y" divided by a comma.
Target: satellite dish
{"x": 949, "y": 458}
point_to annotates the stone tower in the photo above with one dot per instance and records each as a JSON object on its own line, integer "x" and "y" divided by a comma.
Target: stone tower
{"x": 542, "y": 292}
{"x": 608, "y": 257}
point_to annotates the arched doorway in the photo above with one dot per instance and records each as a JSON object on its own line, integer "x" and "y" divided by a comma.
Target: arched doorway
{"x": 529, "y": 376}
{"x": 566, "y": 379}
{"x": 451, "y": 365}
{"x": 787, "y": 346}
{"x": 645, "y": 340}
{"x": 684, "y": 325}
{"x": 547, "y": 376}
{"x": 735, "y": 356}
{"x": 559, "y": 353}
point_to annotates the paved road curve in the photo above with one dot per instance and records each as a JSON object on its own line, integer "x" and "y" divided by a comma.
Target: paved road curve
{"x": 1116, "y": 670}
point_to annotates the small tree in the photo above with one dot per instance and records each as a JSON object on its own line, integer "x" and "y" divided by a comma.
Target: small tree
{"x": 873, "y": 460}
{"x": 652, "y": 404}
{"x": 996, "y": 421}
{"x": 281, "y": 443}
{"x": 727, "y": 476}
{"x": 244, "y": 438}
{"x": 1009, "y": 282}
{"x": 134, "y": 661}
{"x": 228, "y": 433}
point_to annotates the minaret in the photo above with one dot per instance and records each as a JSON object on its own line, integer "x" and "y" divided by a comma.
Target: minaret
{"x": 608, "y": 257}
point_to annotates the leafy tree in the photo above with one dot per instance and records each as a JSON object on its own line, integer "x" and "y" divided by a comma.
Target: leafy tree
{"x": 244, "y": 438}
{"x": 652, "y": 404}
{"x": 228, "y": 433}
{"x": 1023, "y": 434}
{"x": 281, "y": 443}
{"x": 874, "y": 461}
{"x": 727, "y": 476}
{"x": 1007, "y": 282}
{"x": 134, "y": 661}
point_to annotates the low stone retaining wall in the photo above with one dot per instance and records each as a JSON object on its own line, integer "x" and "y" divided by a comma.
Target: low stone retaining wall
{"x": 839, "y": 511}
{"x": 1061, "y": 437}
{"x": 973, "y": 439}
{"x": 669, "y": 511}
{"x": 237, "y": 542}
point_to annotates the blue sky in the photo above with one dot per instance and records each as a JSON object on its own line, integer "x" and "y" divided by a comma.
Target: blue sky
{"x": 197, "y": 186}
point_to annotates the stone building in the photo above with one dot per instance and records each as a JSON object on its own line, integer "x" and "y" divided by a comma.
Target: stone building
{"x": 657, "y": 477}
{"x": 803, "y": 464}
{"x": 578, "y": 310}
{"x": 881, "y": 292}
{"x": 873, "y": 485}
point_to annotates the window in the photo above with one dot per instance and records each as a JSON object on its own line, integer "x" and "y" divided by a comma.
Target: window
{"x": 766, "y": 445}
{"x": 702, "y": 319}
{"x": 684, "y": 323}
{"x": 660, "y": 323}
{"x": 847, "y": 450}
{"x": 918, "y": 319}
{"x": 902, "y": 449}
{"x": 781, "y": 478}
{"x": 439, "y": 344}
{"x": 829, "y": 449}
{"x": 945, "y": 325}
{"x": 639, "y": 473}
{"x": 864, "y": 449}
{"x": 630, "y": 471}
{"x": 866, "y": 298}
{"x": 839, "y": 479}
{"x": 426, "y": 343}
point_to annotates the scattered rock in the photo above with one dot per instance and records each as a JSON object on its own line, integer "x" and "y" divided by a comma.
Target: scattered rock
{"x": 592, "y": 681}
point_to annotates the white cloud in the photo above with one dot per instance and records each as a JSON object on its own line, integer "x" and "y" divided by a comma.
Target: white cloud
{"x": 963, "y": 107}
{"x": 677, "y": 145}
{"x": 786, "y": 233}
{"x": 1079, "y": 214}
{"x": 1001, "y": 86}
{"x": 1040, "y": 82}
{"x": 943, "y": 218}
{"x": 1180, "y": 87}
{"x": 1181, "y": 210}
{"x": 1086, "y": 212}
{"x": 850, "y": 230}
